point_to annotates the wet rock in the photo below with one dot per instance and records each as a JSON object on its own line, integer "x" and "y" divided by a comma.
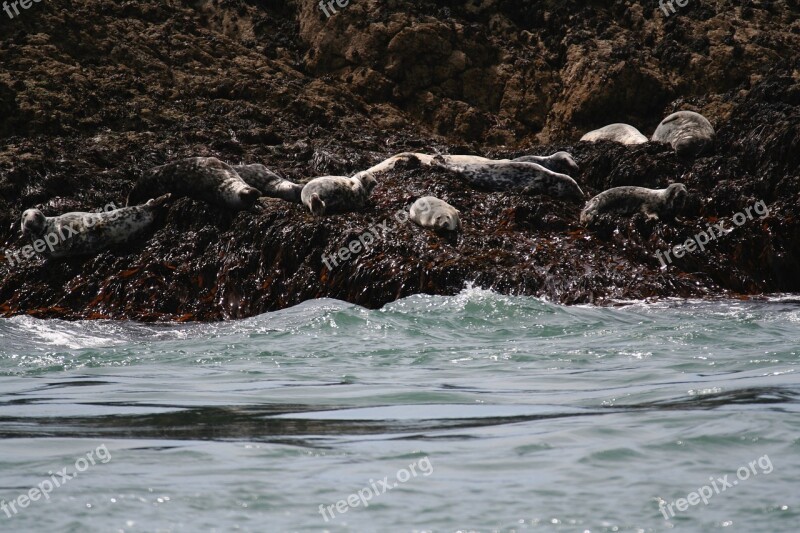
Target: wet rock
{"x": 93, "y": 95}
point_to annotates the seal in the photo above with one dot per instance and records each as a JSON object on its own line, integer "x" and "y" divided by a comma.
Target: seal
{"x": 689, "y": 133}
{"x": 202, "y": 178}
{"x": 391, "y": 162}
{"x": 504, "y": 175}
{"x": 337, "y": 194}
{"x": 496, "y": 174}
{"x": 559, "y": 162}
{"x": 431, "y": 212}
{"x": 80, "y": 233}
{"x": 270, "y": 184}
{"x": 655, "y": 203}
{"x": 618, "y": 133}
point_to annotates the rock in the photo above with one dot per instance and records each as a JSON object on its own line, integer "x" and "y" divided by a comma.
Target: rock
{"x": 136, "y": 84}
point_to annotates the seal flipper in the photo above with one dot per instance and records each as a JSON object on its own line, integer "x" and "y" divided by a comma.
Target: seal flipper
{"x": 160, "y": 201}
{"x": 248, "y": 196}
{"x": 317, "y": 205}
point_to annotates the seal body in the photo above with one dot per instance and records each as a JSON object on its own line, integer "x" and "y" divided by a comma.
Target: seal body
{"x": 618, "y": 133}
{"x": 337, "y": 194}
{"x": 269, "y": 183}
{"x": 655, "y": 203}
{"x": 431, "y": 212}
{"x": 689, "y": 133}
{"x": 88, "y": 233}
{"x": 202, "y": 178}
{"x": 559, "y": 162}
{"x": 504, "y": 175}
{"x": 522, "y": 174}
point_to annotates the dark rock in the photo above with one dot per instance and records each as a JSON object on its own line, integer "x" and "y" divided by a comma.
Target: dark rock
{"x": 94, "y": 93}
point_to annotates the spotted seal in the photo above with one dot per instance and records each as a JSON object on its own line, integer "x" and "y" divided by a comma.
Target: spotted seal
{"x": 337, "y": 194}
{"x": 497, "y": 174}
{"x": 79, "y": 233}
{"x": 619, "y": 133}
{"x": 203, "y": 178}
{"x": 431, "y": 212}
{"x": 269, "y": 183}
{"x": 559, "y": 162}
{"x": 689, "y": 133}
{"x": 504, "y": 175}
{"x": 655, "y": 203}
{"x": 391, "y": 162}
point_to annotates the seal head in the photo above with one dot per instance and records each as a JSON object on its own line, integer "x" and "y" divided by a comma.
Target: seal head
{"x": 33, "y": 223}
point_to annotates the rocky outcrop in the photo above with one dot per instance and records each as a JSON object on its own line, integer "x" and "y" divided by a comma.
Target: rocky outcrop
{"x": 93, "y": 93}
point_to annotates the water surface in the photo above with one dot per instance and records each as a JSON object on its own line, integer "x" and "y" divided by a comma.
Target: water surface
{"x": 517, "y": 415}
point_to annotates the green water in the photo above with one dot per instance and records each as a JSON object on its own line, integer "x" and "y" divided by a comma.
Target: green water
{"x": 516, "y": 415}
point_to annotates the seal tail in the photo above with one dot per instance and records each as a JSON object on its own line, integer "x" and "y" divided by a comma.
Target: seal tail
{"x": 589, "y": 212}
{"x": 290, "y": 191}
{"x": 388, "y": 164}
{"x": 161, "y": 201}
{"x": 139, "y": 196}
{"x": 248, "y": 196}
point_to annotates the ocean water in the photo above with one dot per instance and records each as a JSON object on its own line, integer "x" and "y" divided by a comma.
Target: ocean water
{"x": 477, "y": 412}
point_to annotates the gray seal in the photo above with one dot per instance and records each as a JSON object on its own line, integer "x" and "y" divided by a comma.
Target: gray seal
{"x": 431, "y": 212}
{"x": 504, "y": 175}
{"x": 618, "y": 133}
{"x": 689, "y": 133}
{"x": 337, "y": 194}
{"x": 202, "y": 178}
{"x": 391, "y": 162}
{"x": 559, "y": 162}
{"x": 270, "y": 184}
{"x": 499, "y": 174}
{"x": 654, "y": 203}
{"x": 80, "y": 233}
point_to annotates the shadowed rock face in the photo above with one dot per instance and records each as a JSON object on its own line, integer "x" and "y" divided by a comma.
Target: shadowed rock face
{"x": 94, "y": 93}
